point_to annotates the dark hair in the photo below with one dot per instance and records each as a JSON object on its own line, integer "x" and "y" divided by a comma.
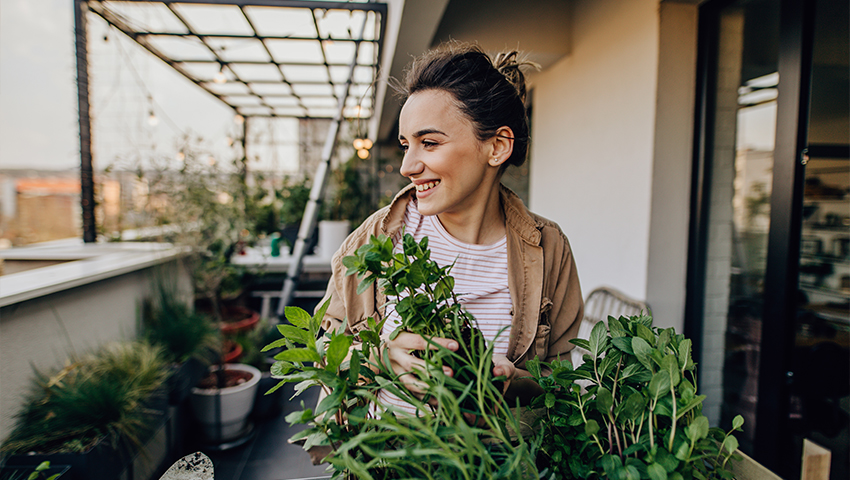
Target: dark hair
{"x": 490, "y": 93}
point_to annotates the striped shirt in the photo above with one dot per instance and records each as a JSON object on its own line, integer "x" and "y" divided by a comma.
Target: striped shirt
{"x": 481, "y": 282}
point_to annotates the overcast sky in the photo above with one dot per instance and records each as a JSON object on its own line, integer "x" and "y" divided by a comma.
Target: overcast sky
{"x": 38, "y": 113}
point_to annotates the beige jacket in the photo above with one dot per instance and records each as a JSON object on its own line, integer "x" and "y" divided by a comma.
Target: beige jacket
{"x": 542, "y": 277}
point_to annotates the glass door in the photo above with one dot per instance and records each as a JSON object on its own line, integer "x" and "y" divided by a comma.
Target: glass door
{"x": 819, "y": 408}
{"x": 769, "y": 284}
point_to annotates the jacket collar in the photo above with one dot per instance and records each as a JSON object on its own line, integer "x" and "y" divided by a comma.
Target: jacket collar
{"x": 517, "y": 217}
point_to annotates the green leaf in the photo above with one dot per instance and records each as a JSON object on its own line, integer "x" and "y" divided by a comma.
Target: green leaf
{"x": 656, "y": 472}
{"x": 350, "y": 262}
{"x": 354, "y": 366}
{"x": 645, "y": 333}
{"x": 365, "y": 284}
{"x": 299, "y": 416}
{"x": 684, "y": 353}
{"x": 276, "y": 387}
{"x": 337, "y": 350}
{"x": 666, "y": 460}
{"x": 659, "y": 385}
{"x": 737, "y": 422}
{"x": 598, "y": 339}
{"x": 581, "y": 343}
{"x": 632, "y": 473}
{"x": 642, "y": 351}
{"x": 616, "y": 328}
{"x": 730, "y": 444}
{"x": 331, "y": 402}
{"x": 298, "y": 317}
{"x": 670, "y": 365}
{"x": 549, "y": 400}
{"x": 295, "y": 334}
{"x": 591, "y": 427}
{"x": 624, "y": 344}
{"x": 634, "y": 405}
{"x": 533, "y": 367}
{"x": 299, "y": 355}
{"x": 604, "y": 400}
{"x": 280, "y": 369}
{"x": 280, "y": 342}
{"x": 683, "y": 452}
{"x": 698, "y": 429}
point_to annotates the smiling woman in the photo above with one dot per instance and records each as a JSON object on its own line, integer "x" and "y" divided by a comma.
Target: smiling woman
{"x": 462, "y": 124}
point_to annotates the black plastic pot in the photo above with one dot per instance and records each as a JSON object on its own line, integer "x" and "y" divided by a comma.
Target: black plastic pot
{"x": 183, "y": 377}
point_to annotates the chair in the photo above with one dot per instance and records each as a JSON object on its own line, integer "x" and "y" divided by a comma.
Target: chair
{"x": 601, "y": 303}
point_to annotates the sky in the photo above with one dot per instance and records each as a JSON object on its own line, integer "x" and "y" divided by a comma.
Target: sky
{"x": 38, "y": 109}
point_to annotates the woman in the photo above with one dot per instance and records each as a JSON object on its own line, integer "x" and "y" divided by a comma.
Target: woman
{"x": 463, "y": 123}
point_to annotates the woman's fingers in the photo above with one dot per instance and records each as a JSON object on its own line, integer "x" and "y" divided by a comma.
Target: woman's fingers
{"x": 504, "y": 367}
{"x": 407, "y": 366}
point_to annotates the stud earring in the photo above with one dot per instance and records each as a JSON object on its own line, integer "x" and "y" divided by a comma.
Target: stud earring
{"x": 495, "y": 161}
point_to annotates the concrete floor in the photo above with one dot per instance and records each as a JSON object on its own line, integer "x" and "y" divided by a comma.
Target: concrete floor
{"x": 268, "y": 455}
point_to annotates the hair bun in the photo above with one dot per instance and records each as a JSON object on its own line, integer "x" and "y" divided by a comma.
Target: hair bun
{"x": 509, "y": 64}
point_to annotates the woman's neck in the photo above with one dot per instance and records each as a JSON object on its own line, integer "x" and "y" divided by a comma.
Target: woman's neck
{"x": 483, "y": 224}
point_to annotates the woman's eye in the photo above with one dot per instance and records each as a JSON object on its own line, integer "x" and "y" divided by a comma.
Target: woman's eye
{"x": 403, "y": 148}
{"x": 429, "y": 143}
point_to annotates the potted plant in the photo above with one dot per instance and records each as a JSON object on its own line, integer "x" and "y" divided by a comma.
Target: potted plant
{"x": 96, "y": 414}
{"x": 294, "y": 196}
{"x": 222, "y": 401}
{"x": 631, "y": 410}
{"x": 188, "y": 338}
{"x": 363, "y": 440}
{"x": 265, "y": 406}
{"x": 350, "y": 203}
{"x": 44, "y": 471}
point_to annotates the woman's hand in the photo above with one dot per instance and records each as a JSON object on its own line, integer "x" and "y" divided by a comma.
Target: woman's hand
{"x": 398, "y": 352}
{"x": 504, "y": 367}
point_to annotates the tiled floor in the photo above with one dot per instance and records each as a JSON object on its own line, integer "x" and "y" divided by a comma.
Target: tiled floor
{"x": 268, "y": 456}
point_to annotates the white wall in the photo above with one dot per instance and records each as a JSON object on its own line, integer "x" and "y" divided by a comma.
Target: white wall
{"x": 593, "y": 128}
{"x": 45, "y": 331}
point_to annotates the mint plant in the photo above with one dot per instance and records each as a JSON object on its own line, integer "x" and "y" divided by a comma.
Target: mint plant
{"x": 639, "y": 417}
{"x": 370, "y": 441}
{"x": 427, "y": 305}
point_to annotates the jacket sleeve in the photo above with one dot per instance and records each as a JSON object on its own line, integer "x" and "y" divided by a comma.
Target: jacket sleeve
{"x": 567, "y": 308}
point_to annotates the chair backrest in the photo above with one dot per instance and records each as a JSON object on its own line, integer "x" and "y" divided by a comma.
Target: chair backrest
{"x": 601, "y": 303}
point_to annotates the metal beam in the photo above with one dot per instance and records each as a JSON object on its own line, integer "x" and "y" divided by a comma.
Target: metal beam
{"x": 317, "y": 192}
{"x": 83, "y": 109}
{"x": 353, "y": 6}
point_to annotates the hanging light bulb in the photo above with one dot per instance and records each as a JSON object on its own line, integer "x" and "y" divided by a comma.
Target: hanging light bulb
{"x": 367, "y": 144}
{"x": 238, "y": 119}
{"x": 180, "y": 156}
{"x": 363, "y": 153}
{"x": 152, "y": 120}
{"x": 358, "y": 143}
{"x": 219, "y": 77}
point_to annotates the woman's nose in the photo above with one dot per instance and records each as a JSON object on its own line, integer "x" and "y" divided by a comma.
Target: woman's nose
{"x": 410, "y": 165}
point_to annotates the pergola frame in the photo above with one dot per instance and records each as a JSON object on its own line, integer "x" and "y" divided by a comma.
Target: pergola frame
{"x": 144, "y": 36}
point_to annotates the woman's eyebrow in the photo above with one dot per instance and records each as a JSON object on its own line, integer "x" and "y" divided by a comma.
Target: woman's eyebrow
{"x": 422, "y": 132}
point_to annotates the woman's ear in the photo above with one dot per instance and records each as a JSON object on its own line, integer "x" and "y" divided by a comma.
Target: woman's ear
{"x": 503, "y": 146}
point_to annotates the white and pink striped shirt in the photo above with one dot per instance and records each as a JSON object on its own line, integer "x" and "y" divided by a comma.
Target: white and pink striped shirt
{"x": 481, "y": 282}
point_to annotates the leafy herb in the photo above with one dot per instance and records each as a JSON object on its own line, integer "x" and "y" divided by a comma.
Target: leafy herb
{"x": 638, "y": 415}
{"x": 427, "y": 305}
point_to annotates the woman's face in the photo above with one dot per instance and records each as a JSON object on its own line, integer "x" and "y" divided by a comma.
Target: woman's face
{"x": 442, "y": 155}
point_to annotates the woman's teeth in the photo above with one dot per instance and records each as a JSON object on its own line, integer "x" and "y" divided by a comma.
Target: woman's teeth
{"x": 427, "y": 186}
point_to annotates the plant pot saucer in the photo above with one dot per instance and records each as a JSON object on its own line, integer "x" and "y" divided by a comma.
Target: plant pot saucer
{"x": 245, "y": 435}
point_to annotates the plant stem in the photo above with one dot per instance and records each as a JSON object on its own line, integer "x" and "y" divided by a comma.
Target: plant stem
{"x": 673, "y": 430}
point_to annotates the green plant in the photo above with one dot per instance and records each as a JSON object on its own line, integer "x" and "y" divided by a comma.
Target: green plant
{"x": 172, "y": 323}
{"x": 427, "y": 305}
{"x": 40, "y": 472}
{"x": 639, "y": 416}
{"x": 106, "y": 393}
{"x": 352, "y": 193}
{"x": 294, "y": 196}
{"x": 369, "y": 440}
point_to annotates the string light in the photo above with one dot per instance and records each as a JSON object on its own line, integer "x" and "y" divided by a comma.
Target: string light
{"x": 180, "y": 156}
{"x": 238, "y": 119}
{"x": 358, "y": 143}
{"x": 152, "y": 120}
{"x": 363, "y": 153}
{"x": 219, "y": 77}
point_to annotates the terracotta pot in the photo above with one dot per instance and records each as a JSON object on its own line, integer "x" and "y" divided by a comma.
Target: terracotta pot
{"x": 238, "y": 319}
{"x": 232, "y": 351}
